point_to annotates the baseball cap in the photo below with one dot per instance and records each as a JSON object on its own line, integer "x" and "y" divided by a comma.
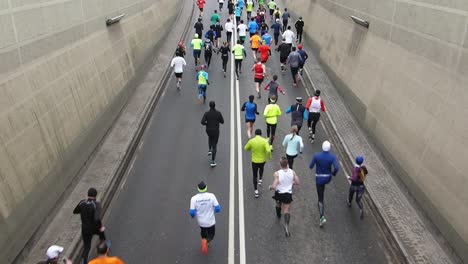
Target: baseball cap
{"x": 202, "y": 187}
{"x": 277, "y": 20}
{"x": 299, "y": 99}
{"x": 54, "y": 251}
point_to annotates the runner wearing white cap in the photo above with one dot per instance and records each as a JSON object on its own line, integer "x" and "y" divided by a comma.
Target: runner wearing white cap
{"x": 323, "y": 172}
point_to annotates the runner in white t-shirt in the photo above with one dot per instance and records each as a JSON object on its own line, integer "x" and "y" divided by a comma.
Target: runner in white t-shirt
{"x": 178, "y": 64}
{"x": 289, "y": 36}
{"x": 203, "y": 206}
{"x": 242, "y": 29}
{"x": 229, "y": 26}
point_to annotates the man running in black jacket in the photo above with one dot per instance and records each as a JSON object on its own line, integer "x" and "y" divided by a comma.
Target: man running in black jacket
{"x": 211, "y": 119}
{"x": 90, "y": 212}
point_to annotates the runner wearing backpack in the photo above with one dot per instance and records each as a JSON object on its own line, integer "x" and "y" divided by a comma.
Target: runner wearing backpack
{"x": 357, "y": 184}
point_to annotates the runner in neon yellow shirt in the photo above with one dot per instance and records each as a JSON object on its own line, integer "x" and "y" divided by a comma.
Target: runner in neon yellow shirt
{"x": 249, "y": 8}
{"x": 197, "y": 45}
{"x": 271, "y": 7}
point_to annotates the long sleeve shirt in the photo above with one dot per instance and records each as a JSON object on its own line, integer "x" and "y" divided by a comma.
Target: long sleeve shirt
{"x": 261, "y": 150}
{"x": 293, "y": 144}
{"x": 323, "y": 163}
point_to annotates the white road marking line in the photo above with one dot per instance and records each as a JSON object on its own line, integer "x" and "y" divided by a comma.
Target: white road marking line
{"x": 231, "y": 242}
{"x": 124, "y": 181}
{"x": 242, "y": 258}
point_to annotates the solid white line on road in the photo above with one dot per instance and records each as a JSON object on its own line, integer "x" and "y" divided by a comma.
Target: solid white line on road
{"x": 240, "y": 177}
{"x": 232, "y": 174}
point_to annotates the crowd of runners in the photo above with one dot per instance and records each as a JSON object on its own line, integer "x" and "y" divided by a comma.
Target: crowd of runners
{"x": 247, "y": 25}
{"x": 258, "y": 18}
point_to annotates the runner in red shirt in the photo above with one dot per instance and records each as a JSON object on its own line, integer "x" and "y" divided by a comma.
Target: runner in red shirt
{"x": 259, "y": 73}
{"x": 201, "y": 4}
{"x": 264, "y": 51}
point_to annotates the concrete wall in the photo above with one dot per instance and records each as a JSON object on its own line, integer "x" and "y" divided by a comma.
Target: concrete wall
{"x": 64, "y": 76}
{"x": 406, "y": 80}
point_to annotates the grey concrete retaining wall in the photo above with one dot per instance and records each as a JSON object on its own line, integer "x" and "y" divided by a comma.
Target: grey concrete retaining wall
{"x": 405, "y": 79}
{"x": 64, "y": 77}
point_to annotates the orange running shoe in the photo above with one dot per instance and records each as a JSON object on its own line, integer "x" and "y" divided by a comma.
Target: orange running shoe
{"x": 204, "y": 246}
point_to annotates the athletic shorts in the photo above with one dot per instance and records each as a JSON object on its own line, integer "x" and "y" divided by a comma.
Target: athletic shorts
{"x": 285, "y": 198}
{"x": 242, "y": 38}
{"x": 283, "y": 59}
{"x": 201, "y": 9}
{"x": 264, "y": 60}
{"x": 196, "y": 53}
{"x": 271, "y": 12}
{"x": 255, "y": 49}
{"x": 258, "y": 80}
{"x": 178, "y": 74}
{"x": 250, "y": 121}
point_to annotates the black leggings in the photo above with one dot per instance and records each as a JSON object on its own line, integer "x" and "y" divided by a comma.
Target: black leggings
{"x": 271, "y": 130}
{"x": 320, "y": 194}
{"x": 238, "y": 63}
{"x": 257, "y": 170}
{"x": 212, "y": 143}
{"x": 299, "y": 36}
{"x": 290, "y": 160}
{"x": 87, "y": 243}
{"x": 208, "y": 58}
{"x": 275, "y": 36}
{"x": 359, "y": 190}
{"x": 228, "y": 37}
{"x": 294, "y": 71}
{"x": 225, "y": 61}
{"x": 313, "y": 119}
{"x": 285, "y": 24}
{"x": 207, "y": 233}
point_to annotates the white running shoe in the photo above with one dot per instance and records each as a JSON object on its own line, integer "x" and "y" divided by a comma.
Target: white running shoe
{"x": 256, "y": 194}
{"x": 260, "y": 182}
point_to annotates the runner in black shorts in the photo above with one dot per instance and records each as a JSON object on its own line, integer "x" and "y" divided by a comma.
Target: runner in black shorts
{"x": 283, "y": 183}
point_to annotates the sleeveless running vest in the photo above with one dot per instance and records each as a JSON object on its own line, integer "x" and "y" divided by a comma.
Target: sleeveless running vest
{"x": 286, "y": 180}
{"x": 315, "y": 106}
{"x": 258, "y": 69}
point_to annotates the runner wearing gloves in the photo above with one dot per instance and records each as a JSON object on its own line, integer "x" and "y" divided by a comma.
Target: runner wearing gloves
{"x": 323, "y": 161}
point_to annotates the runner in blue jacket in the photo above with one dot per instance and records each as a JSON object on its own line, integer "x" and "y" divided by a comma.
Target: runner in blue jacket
{"x": 251, "y": 111}
{"x": 323, "y": 171}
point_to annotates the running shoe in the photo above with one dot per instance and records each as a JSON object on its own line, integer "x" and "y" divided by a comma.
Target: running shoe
{"x": 349, "y": 204}
{"x": 204, "y": 246}
{"x": 286, "y": 231}
{"x": 213, "y": 164}
{"x": 256, "y": 194}
{"x": 260, "y": 182}
{"x": 322, "y": 221}
{"x": 209, "y": 153}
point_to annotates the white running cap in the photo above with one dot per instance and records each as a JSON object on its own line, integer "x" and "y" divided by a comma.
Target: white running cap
{"x": 326, "y": 146}
{"x": 54, "y": 251}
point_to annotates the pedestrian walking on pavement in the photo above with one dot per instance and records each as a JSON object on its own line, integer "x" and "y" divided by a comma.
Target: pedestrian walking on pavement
{"x": 298, "y": 114}
{"x": 294, "y": 145}
{"x": 294, "y": 60}
{"x": 271, "y": 113}
{"x": 284, "y": 180}
{"x": 103, "y": 256}
{"x": 196, "y": 45}
{"x": 203, "y": 206}
{"x": 358, "y": 176}
{"x": 212, "y": 119}
{"x": 323, "y": 161}
{"x": 250, "y": 109}
{"x": 178, "y": 63}
{"x": 299, "y": 25}
{"x": 273, "y": 87}
{"x": 224, "y": 51}
{"x": 53, "y": 254}
{"x": 314, "y": 105}
{"x": 261, "y": 152}
{"x": 259, "y": 74}
{"x": 90, "y": 212}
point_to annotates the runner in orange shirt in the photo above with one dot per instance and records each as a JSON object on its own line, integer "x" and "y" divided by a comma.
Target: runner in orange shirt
{"x": 103, "y": 257}
{"x": 255, "y": 42}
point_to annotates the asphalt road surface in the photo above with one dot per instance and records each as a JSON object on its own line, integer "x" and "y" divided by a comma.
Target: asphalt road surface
{"x": 149, "y": 222}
